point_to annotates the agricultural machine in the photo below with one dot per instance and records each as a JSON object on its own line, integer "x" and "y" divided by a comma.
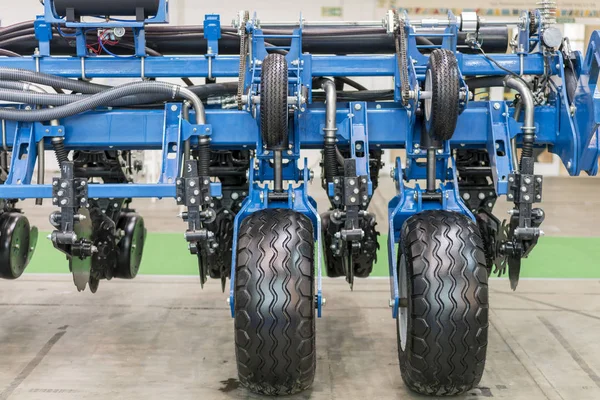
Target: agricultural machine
{"x": 232, "y": 158}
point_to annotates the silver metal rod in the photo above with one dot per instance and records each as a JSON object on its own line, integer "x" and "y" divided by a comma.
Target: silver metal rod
{"x": 278, "y": 171}
{"x": 431, "y": 170}
{"x": 187, "y": 146}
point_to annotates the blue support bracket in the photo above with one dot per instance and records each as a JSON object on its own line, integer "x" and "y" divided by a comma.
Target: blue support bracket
{"x": 172, "y": 139}
{"x": 190, "y": 131}
{"x": 587, "y": 105}
{"x": 359, "y": 140}
{"x": 409, "y": 202}
{"x": 43, "y": 33}
{"x": 24, "y": 155}
{"x": 297, "y": 200}
{"x": 499, "y": 145}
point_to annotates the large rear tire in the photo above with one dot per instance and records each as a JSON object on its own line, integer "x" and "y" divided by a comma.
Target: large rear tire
{"x": 275, "y": 303}
{"x": 442, "y": 330}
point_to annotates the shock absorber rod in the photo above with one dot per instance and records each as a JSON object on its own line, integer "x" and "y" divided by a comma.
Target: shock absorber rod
{"x": 185, "y": 113}
{"x": 430, "y": 170}
{"x": 330, "y": 129}
{"x": 278, "y": 171}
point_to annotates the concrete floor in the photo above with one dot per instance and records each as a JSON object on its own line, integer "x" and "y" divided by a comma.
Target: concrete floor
{"x": 164, "y": 338}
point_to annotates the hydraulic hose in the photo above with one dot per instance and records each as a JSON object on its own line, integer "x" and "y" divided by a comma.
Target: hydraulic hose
{"x": 14, "y": 74}
{"x": 102, "y": 99}
{"x": 485, "y": 82}
{"x": 528, "y": 128}
{"x": 330, "y": 162}
{"x": 15, "y": 93}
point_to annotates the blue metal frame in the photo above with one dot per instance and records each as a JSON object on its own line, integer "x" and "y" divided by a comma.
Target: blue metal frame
{"x": 573, "y": 136}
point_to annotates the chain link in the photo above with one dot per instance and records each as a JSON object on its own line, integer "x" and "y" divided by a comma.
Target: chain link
{"x": 402, "y": 56}
{"x": 243, "y": 58}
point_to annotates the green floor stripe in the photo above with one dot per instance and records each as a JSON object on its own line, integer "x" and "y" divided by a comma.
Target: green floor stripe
{"x": 167, "y": 254}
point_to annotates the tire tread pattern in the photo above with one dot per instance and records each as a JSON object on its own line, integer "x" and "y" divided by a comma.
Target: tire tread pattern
{"x": 445, "y": 99}
{"x": 448, "y": 304}
{"x": 274, "y": 303}
{"x": 273, "y": 101}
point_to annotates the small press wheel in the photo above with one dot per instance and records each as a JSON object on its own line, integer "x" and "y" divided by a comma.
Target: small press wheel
{"x": 131, "y": 246}
{"x": 16, "y": 244}
{"x": 443, "y": 81}
{"x": 273, "y": 101}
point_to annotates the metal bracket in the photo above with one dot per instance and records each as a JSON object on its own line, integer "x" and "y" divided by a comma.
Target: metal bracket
{"x": 196, "y": 193}
{"x": 298, "y": 200}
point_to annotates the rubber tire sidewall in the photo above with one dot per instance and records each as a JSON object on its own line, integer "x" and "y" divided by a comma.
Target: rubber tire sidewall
{"x": 265, "y": 365}
{"x": 445, "y": 101}
{"x": 273, "y": 102}
{"x": 406, "y": 367}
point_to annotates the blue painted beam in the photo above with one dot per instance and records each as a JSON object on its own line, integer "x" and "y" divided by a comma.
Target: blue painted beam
{"x": 100, "y": 191}
{"x": 388, "y": 126}
{"x": 228, "y": 66}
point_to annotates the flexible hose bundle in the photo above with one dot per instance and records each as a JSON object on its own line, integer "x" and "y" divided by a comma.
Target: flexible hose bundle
{"x": 100, "y": 99}
{"x": 15, "y": 74}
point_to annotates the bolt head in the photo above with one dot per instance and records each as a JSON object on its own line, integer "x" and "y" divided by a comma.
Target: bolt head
{"x": 496, "y": 106}
{"x": 357, "y": 107}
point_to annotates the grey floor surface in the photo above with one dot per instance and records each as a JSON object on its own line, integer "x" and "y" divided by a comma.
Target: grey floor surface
{"x": 165, "y": 338}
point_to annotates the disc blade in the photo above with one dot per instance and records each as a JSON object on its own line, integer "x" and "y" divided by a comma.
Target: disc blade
{"x": 514, "y": 270}
{"x": 81, "y": 267}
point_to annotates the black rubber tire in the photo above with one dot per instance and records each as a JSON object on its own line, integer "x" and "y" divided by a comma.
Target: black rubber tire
{"x": 275, "y": 303}
{"x": 129, "y": 258}
{"x": 273, "y": 102}
{"x": 14, "y": 244}
{"x": 440, "y": 122}
{"x": 447, "y": 300}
